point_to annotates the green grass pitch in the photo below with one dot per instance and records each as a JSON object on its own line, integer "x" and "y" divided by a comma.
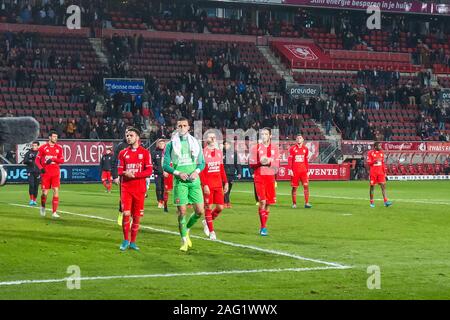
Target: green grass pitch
{"x": 321, "y": 253}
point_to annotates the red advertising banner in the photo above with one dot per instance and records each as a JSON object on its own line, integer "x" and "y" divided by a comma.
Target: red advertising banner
{"x": 404, "y": 146}
{"x": 360, "y": 147}
{"x": 299, "y": 53}
{"x": 75, "y": 152}
{"x": 438, "y": 146}
{"x": 321, "y": 172}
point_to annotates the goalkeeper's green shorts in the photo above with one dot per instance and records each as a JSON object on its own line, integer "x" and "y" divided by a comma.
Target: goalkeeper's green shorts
{"x": 187, "y": 192}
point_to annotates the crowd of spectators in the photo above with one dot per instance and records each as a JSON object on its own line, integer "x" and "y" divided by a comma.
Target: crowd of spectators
{"x": 52, "y": 12}
{"x": 193, "y": 94}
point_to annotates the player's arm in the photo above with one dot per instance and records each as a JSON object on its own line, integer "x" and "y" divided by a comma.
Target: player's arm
{"x": 275, "y": 163}
{"x": 168, "y": 159}
{"x": 201, "y": 160}
{"x": 148, "y": 167}
{"x": 307, "y": 160}
{"x": 120, "y": 163}
{"x": 200, "y": 164}
{"x": 59, "y": 159}
{"x": 291, "y": 161}
{"x": 38, "y": 160}
{"x": 253, "y": 160}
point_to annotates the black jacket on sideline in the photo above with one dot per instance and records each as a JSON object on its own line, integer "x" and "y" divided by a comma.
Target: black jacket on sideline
{"x": 29, "y": 161}
{"x": 157, "y": 156}
{"x": 106, "y": 163}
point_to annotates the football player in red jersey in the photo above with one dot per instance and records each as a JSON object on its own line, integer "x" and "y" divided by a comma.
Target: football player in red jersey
{"x": 375, "y": 160}
{"x": 48, "y": 159}
{"x": 135, "y": 165}
{"x": 214, "y": 184}
{"x": 264, "y": 160}
{"x": 298, "y": 170}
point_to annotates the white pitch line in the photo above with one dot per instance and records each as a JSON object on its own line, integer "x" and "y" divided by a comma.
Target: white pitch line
{"x": 168, "y": 275}
{"x": 363, "y": 199}
{"x": 237, "y": 245}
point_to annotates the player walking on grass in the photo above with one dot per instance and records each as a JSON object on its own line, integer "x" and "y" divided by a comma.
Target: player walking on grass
{"x": 106, "y": 167}
{"x": 186, "y": 155}
{"x": 135, "y": 164}
{"x": 214, "y": 183}
{"x": 375, "y": 160}
{"x": 33, "y": 172}
{"x": 298, "y": 170}
{"x": 264, "y": 160}
{"x": 116, "y": 179}
{"x": 48, "y": 159}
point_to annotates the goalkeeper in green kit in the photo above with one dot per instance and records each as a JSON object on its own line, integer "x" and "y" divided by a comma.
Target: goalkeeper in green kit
{"x": 186, "y": 155}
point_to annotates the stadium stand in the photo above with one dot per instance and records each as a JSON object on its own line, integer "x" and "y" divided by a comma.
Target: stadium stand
{"x": 371, "y": 78}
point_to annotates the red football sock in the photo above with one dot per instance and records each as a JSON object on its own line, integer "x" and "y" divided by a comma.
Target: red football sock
{"x": 209, "y": 219}
{"x": 105, "y": 184}
{"x": 43, "y": 200}
{"x": 306, "y": 194}
{"x": 166, "y": 197}
{"x": 263, "y": 215}
{"x": 135, "y": 226}
{"x": 215, "y": 213}
{"x": 385, "y": 199}
{"x": 371, "y": 201}
{"x": 126, "y": 227}
{"x": 109, "y": 185}
{"x": 294, "y": 195}
{"x": 55, "y": 202}
{"x": 265, "y": 218}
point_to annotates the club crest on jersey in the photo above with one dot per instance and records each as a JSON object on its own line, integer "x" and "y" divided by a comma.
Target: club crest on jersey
{"x": 141, "y": 156}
